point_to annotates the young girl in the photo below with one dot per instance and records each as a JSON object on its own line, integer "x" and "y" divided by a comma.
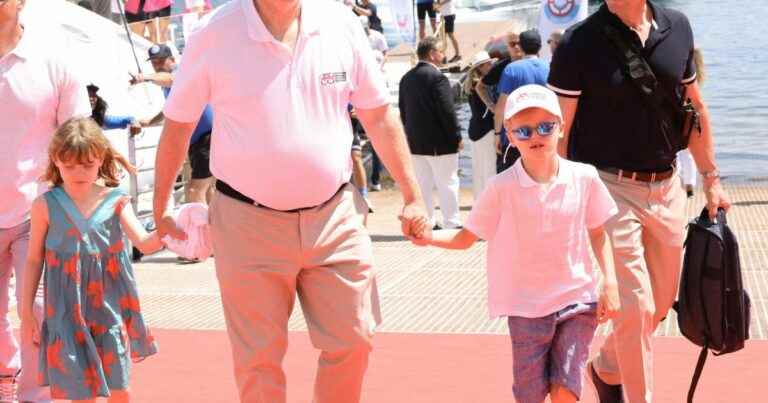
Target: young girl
{"x": 536, "y": 217}
{"x": 91, "y": 304}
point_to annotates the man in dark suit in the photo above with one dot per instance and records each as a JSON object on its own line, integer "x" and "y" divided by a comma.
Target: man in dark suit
{"x": 427, "y": 111}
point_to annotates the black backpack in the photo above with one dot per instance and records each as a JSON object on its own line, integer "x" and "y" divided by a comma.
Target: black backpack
{"x": 712, "y": 306}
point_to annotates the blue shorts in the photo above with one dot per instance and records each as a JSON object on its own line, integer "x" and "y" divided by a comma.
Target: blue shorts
{"x": 551, "y": 350}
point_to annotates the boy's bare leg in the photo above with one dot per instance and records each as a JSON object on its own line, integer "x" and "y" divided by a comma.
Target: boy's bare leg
{"x": 561, "y": 394}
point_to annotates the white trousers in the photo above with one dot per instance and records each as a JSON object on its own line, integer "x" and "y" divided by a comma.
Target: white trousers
{"x": 13, "y": 255}
{"x": 687, "y": 167}
{"x": 441, "y": 172}
{"x": 483, "y": 162}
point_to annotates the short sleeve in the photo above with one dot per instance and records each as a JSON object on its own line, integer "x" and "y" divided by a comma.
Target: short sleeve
{"x": 690, "y": 66}
{"x": 600, "y": 203}
{"x": 565, "y": 76}
{"x": 191, "y": 83}
{"x": 484, "y": 218}
{"x": 370, "y": 87}
{"x": 73, "y": 97}
{"x": 509, "y": 80}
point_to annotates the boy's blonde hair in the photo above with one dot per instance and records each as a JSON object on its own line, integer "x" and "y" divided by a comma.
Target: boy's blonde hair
{"x": 81, "y": 140}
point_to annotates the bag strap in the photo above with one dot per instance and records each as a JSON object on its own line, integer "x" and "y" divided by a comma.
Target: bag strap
{"x": 640, "y": 73}
{"x": 697, "y": 373}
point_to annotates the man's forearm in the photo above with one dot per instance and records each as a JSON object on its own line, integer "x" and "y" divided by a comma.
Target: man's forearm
{"x": 701, "y": 145}
{"x": 171, "y": 151}
{"x": 388, "y": 139}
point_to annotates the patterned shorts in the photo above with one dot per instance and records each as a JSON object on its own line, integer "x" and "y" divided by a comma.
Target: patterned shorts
{"x": 551, "y": 350}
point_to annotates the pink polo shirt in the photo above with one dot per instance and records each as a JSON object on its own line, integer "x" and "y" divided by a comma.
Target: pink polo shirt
{"x": 38, "y": 92}
{"x": 281, "y": 131}
{"x": 538, "y": 257}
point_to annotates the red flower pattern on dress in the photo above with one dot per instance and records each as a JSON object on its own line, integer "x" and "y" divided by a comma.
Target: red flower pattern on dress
{"x": 132, "y": 333}
{"x": 96, "y": 329}
{"x": 54, "y": 356}
{"x": 96, "y": 293}
{"x": 72, "y": 268}
{"x": 113, "y": 268}
{"x": 77, "y": 315}
{"x": 80, "y": 337}
{"x": 50, "y": 311}
{"x": 116, "y": 247}
{"x": 129, "y": 303}
{"x": 50, "y": 259}
{"x": 106, "y": 361}
{"x": 92, "y": 380}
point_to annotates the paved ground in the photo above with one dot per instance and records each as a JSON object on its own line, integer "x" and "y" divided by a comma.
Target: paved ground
{"x": 429, "y": 290}
{"x": 437, "y": 343}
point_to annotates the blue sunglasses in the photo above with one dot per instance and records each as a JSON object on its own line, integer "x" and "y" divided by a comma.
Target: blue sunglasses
{"x": 544, "y": 129}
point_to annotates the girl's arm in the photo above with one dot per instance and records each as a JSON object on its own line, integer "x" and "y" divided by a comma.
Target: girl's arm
{"x": 609, "y": 304}
{"x": 147, "y": 243}
{"x": 447, "y": 239}
{"x": 34, "y": 265}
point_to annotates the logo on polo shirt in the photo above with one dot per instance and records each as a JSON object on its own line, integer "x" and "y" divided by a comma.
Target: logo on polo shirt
{"x": 333, "y": 78}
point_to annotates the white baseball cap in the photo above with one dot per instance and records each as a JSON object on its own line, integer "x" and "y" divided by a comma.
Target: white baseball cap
{"x": 532, "y": 96}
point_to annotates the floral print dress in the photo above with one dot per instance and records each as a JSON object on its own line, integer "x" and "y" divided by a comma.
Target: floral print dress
{"x": 92, "y": 315}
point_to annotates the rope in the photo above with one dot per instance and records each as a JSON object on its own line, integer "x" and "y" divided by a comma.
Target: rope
{"x": 128, "y": 33}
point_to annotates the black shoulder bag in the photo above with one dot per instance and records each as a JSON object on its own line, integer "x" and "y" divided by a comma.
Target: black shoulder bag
{"x": 676, "y": 122}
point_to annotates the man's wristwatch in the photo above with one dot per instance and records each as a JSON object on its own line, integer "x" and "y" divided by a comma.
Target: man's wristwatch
{"x": 713, "y": 174}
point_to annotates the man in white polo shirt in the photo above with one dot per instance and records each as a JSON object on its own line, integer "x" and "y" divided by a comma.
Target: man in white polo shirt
{"x": 279, "y": 75}
{"x": 37, "y": 93}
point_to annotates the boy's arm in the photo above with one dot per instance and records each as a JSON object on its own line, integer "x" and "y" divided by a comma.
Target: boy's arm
{"x": 448, "y": 239}
{"x": 610, "y": 303}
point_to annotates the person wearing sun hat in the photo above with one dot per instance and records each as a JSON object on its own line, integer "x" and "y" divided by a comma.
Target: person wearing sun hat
{"x": 480, "y": 124}
{"x": 538, "y": 218}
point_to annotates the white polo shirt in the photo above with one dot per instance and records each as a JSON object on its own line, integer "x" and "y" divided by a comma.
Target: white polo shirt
{"x": 282, "y": 134}
{"x": 38, "y": 92}
{"x": 538, "y": 248}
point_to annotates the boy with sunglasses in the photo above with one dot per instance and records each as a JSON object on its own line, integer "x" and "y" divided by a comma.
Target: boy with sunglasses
{"x": 537, "y": 218}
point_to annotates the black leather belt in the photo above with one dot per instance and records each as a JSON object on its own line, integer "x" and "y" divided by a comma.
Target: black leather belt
{"x": 640, "y": 176}
{"x": 227, "y": 190}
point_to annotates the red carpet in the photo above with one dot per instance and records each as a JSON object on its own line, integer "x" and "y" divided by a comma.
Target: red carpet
{"x": 195, "y": 366}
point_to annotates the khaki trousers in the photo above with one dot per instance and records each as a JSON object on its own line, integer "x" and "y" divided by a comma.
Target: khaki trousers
{"x": 647, "y": 236}
{"x": 264, "y": 258}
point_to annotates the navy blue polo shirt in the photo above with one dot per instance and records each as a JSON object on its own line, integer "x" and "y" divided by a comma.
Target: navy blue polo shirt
{"x": 614, "y": 127}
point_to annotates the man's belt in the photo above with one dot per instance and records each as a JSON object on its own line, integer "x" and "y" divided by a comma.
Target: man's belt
{"x": 227, "y": 190}
{"x": 640, "y": 176}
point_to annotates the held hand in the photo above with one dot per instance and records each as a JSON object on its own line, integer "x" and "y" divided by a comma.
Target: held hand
{"x": 716, "y": 197}
{"x": 134, "y": 128}
{"x": 136, "y": 78}
{"x": 461, "y": 144}
{"x": 413, "y": 220}
{"x": 30, "y": 328}
{"x": 609, "y": 305}
{"x": 497, "y": 143}
{"x": 167, "y": 226}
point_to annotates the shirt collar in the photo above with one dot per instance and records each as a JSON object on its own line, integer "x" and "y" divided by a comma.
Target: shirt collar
{"x": 527, "y": 182}
{"x": 660, "y": 21}
{"x": 309, "y": 22}
{"x": 24, "y": 49}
